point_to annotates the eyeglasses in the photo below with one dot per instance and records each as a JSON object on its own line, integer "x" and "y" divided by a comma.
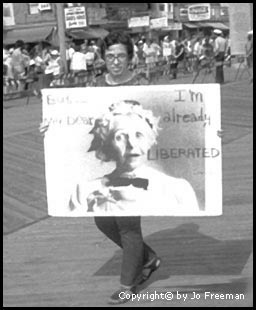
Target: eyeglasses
{"x": 119, "y": 57}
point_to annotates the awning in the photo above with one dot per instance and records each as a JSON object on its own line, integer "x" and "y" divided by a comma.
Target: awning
{"x": 191, "y": 25}
{"x": 28, "y": 35}
{"x": 53, "y": 38}
{"x": 89, "y": 33}
{"x": 216, "y": 25}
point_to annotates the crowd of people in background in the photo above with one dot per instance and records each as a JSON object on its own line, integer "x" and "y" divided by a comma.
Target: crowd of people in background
{"x": 42, "y": 62}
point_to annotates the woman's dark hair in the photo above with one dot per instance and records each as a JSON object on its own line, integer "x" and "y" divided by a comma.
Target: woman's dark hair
{"x": 117, "y": 38}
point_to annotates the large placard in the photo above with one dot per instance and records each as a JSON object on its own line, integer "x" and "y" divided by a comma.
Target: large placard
{"x": 183, "y": 168}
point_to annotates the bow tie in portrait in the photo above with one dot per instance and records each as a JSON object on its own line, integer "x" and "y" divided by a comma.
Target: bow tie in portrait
{"x": 136, "y": 182}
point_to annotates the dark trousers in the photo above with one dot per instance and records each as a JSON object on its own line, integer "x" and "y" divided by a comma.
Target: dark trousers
{"x": 126, "y": 232}
{"x": 174, "y": 69}
{"x": 47, "y": 79}
{"x": 219, "y": 78}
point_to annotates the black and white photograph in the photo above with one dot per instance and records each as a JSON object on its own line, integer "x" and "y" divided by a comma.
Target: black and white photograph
{"x": 127, "y": 154}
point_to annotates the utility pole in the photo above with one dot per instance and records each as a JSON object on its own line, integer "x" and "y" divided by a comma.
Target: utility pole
{"x": 61, "y": 33}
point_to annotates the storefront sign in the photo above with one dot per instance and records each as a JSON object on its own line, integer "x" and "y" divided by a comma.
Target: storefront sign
{"x": 44, "y": 6}
{"x": 183, "y": 12}
{"x": 173, "y": 26}
{"x": 96, "y": 16}
{"x": 142, "y": 21}
{"x": 197, "y": 12}
{"x": 75, "y": 17}
{"x": 158, "y": 22}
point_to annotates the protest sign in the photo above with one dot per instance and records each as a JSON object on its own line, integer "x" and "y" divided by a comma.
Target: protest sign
{"x": 186, "y": 159}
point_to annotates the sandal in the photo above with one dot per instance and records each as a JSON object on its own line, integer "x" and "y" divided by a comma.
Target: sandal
{"x": 151, "y": 267}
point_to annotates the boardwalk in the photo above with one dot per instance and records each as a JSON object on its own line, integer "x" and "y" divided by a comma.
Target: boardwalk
{"x": 63, "y": 262}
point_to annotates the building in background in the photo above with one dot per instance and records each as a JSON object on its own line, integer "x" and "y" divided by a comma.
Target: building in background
{"x": 240, "y": 25}
{"x": 33, "y": 22}
{"x": 202, "y": 17}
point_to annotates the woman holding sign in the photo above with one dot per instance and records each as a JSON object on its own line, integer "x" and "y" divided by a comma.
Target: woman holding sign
{"x": 124, "y": 135}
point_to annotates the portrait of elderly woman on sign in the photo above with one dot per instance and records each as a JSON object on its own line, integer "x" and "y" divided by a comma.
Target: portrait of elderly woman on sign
{"x": 124, "y": 135}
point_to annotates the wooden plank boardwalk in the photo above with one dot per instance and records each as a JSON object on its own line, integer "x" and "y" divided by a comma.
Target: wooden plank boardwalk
{"x": 24, "y": 190}
{"x": 63, "y": 262}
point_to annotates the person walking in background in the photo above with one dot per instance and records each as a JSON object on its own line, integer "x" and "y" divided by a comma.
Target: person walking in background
{"x": 90, "y": 57}
{"x": 197, "y": 53}
{"x": 178, "y": 56}
{"x": 207, "y": 54}
{"x": 157, "y": 48}
{"x": 46, "y": 56}
{"x": 94, "y": 46}
{"x": 140, "y": 53}
{"x": 150, "y": 56}
{"x": 8, "y": 77}
{"x": 36, "y": 55}
{"x": 180, "y": 53}
{"x": 69, "y": 53}
{"x": 220, "y": 47}
{"x": 78, "y": 63}
{"x": 188, "y": 55}
{"x": 54, "y": 69}
{"x": 167, "y": 52}
{"x": 135, "y": 59}
{"x": 249, "y": 49}
{"x": 19, "y": 64}
{"x": 228, "y": 51}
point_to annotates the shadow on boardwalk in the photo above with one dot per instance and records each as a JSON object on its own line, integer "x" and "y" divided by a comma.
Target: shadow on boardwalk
{"x": 186, "y": 251}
